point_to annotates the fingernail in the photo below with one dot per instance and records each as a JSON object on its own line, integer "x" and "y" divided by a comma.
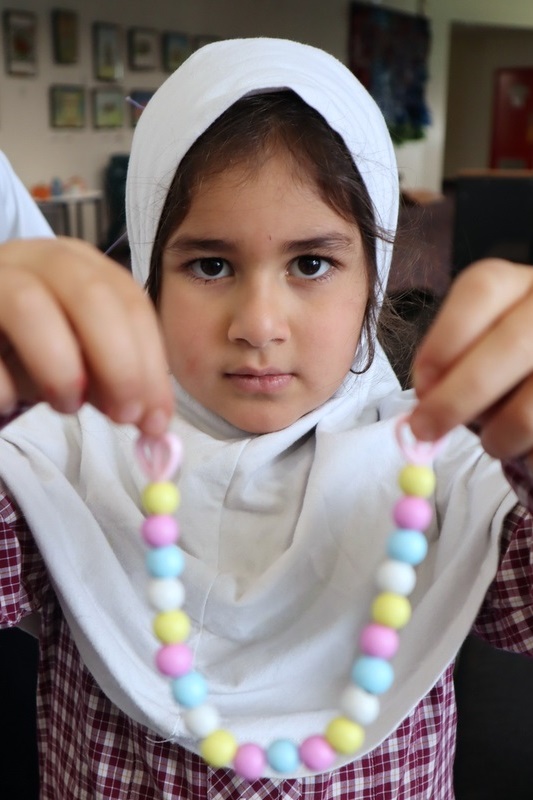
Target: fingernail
{"x": 71, "y": 405}
{"x": 423, "y": 427}
{"x": 155, "y": 423}
{"x": 67, "y": 399}
{"x": 7, "y": 408}
{"x": 129, "y": 412}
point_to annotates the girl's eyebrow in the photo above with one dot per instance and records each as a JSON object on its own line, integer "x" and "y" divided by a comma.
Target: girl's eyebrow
{"x": 328, "y": 241}
{"x": 189, "y": 244}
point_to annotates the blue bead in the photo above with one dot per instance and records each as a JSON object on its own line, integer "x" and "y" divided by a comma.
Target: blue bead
{"x": 375, "y": 675}
{"x": 165, "y": 562}
{"x": 282, "y": 755}
{"x": 190, "y": 690}
{"x": 408, "y": 546}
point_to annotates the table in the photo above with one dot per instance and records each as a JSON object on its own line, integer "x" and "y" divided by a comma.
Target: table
{"x": 71, "y": 209}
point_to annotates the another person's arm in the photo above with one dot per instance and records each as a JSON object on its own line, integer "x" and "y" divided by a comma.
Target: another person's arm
{"x": 20, "y": 217}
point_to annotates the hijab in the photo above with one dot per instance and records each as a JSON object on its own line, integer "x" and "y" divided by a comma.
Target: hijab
{"x": 283, "y": 532}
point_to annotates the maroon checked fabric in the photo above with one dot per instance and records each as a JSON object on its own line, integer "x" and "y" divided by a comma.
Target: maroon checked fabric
{"x": 89, "y": 750}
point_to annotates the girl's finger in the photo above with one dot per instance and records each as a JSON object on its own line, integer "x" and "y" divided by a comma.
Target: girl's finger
{"x": 119, "y": 334}
{"x": 477, "y": 299}
{"x": 104, "y": 330}
{"x": 8, "y": 391}
{"x": 98, "y": 327}
{"x": 46, "y": 348}
{"x": 159, "y": 395}
{"x": 126, "y": 362}
{"x": 507, "y": 432}
{"x": 492, "y": 366}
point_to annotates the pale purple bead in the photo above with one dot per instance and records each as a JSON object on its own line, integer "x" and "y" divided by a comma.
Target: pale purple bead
{"x": 160, "y": 530}
{"x": 413, "y": 513}
{"x": 250, "y": 761}
{"x": 174, "y": 660}
{"x": 317, "y": 754}
{"x": 379, "y": 640}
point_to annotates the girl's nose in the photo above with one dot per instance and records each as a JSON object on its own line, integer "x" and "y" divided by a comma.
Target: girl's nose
{"x": 259, "y": 317}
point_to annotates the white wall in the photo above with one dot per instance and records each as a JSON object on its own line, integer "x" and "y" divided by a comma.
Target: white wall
{"x": 40, "y": 153}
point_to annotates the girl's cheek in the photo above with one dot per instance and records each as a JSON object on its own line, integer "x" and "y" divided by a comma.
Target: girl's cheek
{"x": 189, "y": 366}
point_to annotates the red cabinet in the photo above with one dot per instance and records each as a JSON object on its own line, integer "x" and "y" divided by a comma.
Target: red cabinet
{"x": 512, "y": 126}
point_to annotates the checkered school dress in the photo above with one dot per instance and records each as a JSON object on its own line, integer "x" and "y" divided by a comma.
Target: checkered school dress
{"x": 90, "y": 750}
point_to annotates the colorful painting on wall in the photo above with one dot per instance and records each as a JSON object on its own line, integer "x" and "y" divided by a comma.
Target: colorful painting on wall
{"x": 388, "y": 52}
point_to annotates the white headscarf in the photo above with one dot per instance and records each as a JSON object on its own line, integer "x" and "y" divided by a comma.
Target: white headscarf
{"x": 214, "y": 78}
{"x": 283, "y": 532}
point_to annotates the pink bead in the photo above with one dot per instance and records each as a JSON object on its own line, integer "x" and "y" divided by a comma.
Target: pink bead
{"x": 250, "y": 761}
{"x": 378, "y": 640}
{"x": 174, "y": 660}
{"x": 413, "y": 513}
{"x": 317, "y": 754}
{"x": 159, "y": 530}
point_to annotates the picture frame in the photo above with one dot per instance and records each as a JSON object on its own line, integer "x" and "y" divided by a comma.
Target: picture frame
{"x": 388, "y": 51}
{"x": 144, "y": 50}
{"x": 138, "y": 98}
{"x": 108, "y": 107}
{"x": 107, "y": 51}
{"x": 176, "y": 48}
{"x": 20, "y": 42}
{"x": 67, "y": 106}
{"x": 65, "y": 36}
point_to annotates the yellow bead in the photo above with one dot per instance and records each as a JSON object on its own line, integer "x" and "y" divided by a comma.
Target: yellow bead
{"x": 417, "y": 480}
{"x": 172, "y": 627}
{"x": 391, "y": 610}
{"x": 219, "y": 748}
{"x": 161, "y": 498}
{"x": 345, "y": 736}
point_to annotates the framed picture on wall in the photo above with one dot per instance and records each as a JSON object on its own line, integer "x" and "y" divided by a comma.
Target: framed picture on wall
{"x": 108, "y": 108}
{"x": 138, "y": 99}
{"x": 388, "y": 52}
{"x": 67, "y": 106}
{"x": 64, "y": 36}
{"x": 20, "y": 42}
{"x": 143, "y": 49}
{"x": 176, "y": 48}
{"x": 107, "y": 50}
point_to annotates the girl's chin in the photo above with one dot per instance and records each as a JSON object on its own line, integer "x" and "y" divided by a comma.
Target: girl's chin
{"x": 258, "y": 420}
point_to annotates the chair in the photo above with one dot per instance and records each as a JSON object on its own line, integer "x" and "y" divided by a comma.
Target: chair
{"x": 115, "y": 195}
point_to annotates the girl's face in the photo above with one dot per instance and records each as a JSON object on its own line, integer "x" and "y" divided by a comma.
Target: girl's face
{"x": 263, "y": 295}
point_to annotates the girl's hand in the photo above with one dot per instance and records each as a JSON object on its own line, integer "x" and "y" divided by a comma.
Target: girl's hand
{"x": 74, "y": 326}
{"x": 475, "y": 366}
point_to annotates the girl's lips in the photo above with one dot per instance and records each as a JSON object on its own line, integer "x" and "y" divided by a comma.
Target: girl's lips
{"x": 257, "y": 383}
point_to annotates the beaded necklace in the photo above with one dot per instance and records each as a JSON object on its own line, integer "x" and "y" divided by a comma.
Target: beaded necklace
{"x": 372, "y": 673}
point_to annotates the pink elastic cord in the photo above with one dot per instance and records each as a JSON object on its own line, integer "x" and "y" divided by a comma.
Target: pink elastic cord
{"x": 415, "y": 451}
{"x": 159, "y": 457}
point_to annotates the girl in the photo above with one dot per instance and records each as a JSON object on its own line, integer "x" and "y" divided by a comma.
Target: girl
{"x": 261, "y": 202}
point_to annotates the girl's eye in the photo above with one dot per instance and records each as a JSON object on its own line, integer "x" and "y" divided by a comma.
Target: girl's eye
{"x": 210, "y": 268}
{"x": 309, "y": 267}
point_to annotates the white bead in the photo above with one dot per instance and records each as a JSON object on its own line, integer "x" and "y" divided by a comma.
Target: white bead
{"x": 358, "y": 705}
{"x": 396, "y": 577}
{"x": 202, "y": 720}
{"x": 166, "y": 594}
